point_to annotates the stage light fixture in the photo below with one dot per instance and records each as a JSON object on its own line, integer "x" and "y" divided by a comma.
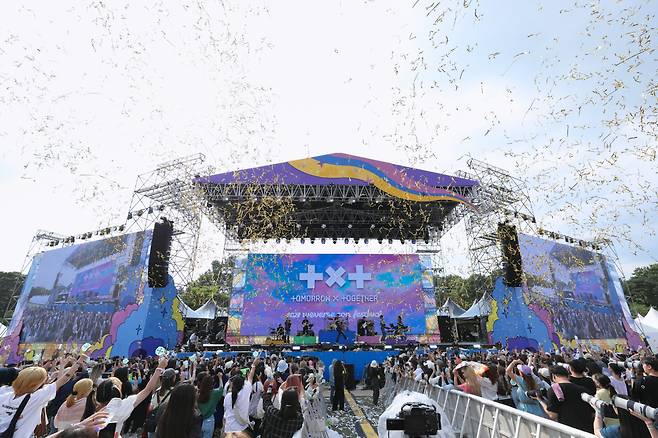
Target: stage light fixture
{"x": 390, "y": 241}
{"x": 150, "y": 210}
{"x": 296, "y": 348}
{"x": 302, "y": 199}
{"x": 298, "y": 226}
{"x": 312, "y": 241}
{"x": 349, "y": 226}
{"x": 287, "y": 240}
{"x": 347, "y": 241}
{"x": 330, "y": 199}
{"x": 413, "y": 241}
{"x": 161, "y": 207}
{"x": 278, "y": 240}
{"x": 130, "y": 216}
{"x": 323, "y": 241}
{"x": 402, "y": 241}
{"x": 380, "y": 241}
{"x": 302, "y": 240}
{"x": 324, "y": 226}
{"x": 372, "y": 227}
{"x": 427, "y": 241}
{"x": 388, "y": 347}
{"x": 140, "y": 212}
{"x": 334, "y": 240}
{"x": 356, "y": 240}
{"x": 122, "y": 227}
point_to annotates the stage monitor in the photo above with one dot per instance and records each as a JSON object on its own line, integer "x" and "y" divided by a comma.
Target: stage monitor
{"x": 576, "y": 287}
{"x": 71, "y": 293}
{"x": 318, "y": 287}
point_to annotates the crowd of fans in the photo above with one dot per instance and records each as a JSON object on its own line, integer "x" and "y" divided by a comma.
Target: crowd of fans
{"x": 589, "y": 322}
{"x": 274, "y": 397}
{"x": 548, "y": 385}
{"x": 62, "y": 326}
{"x": 166, "y": 397}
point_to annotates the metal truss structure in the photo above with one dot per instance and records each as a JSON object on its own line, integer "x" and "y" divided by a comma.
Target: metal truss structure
{"x": 500, "y": 198}
{"x": 169, "y": 191}
{"x": 38, "y": 244}
{"x": 323, "y": 211}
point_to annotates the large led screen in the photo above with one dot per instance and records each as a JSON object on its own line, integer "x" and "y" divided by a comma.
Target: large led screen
{"x": 575, "y": 287}
{"x": 267, "y": 287}
{"x": 71, "y": 293}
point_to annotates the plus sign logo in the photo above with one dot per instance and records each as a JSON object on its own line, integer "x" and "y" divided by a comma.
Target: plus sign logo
{"x": 335, "y": 276}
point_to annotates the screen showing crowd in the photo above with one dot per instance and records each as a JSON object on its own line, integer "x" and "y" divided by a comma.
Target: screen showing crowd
{"x": 320, "y": 287}
{"x": 573, "y": 285}
{"x": 71, "y": 293}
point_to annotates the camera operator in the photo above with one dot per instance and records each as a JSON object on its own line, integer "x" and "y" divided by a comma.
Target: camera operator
{"x": 646, "y": 391}
{"x": 564, "y": 404}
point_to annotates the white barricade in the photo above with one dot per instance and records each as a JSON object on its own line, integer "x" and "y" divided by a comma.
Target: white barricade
{"x": 476, "y": 417}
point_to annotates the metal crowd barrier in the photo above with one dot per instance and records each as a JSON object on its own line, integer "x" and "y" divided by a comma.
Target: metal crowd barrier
{"x": 476, "y": 417}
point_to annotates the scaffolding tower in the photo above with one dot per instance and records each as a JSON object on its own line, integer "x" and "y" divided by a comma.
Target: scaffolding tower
{"x": 500, "y": 198}
{"x": 169, "y": 191}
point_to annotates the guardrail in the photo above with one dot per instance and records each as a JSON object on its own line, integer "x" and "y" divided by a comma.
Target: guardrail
{"x": 477, "y": 417}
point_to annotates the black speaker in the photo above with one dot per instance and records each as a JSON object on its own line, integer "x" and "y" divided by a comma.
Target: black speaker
{"x": 446, "y": 329}
{"x": 350, "y": 384}
{"x": 158, "y": 273}
{"x": 509, "y": 242}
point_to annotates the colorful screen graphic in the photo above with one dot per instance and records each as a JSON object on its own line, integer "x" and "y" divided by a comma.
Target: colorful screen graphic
{"x": 267, "y": 287}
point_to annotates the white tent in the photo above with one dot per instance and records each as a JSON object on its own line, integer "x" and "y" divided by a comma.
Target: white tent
{"x": 3, "y": 330}
{"x": 480, "y": 308}
{"x": 647, "y": 326}
{"x": 207, "y": 311}
{"x": 450, "y": 308}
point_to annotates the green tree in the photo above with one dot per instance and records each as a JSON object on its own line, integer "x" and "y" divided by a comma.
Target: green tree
{"x": 9, "y": 282}
{"x": 642, "y": 288}
{"x": 215, "y": 284}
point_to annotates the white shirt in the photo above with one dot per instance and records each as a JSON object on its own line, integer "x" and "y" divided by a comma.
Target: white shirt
{"x": 31, "y": 415}
{"x": 256, "y": 392}
{"x": 619, "y": 386}
{"x": 418, "y": 374}
{"x": 241, "y": 408}
{"x": 489, "y": 390}
{"x": 120, "y": 410}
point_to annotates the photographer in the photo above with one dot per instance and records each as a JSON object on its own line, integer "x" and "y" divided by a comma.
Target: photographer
{"x": 284, "y": 422}
{"x": 564, "y": 404}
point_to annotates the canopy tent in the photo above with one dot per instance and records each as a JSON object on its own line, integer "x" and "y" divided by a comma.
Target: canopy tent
{"x": 450, "y": 308}
{"x": 207, "y": 311}
{"x": 480, "y": 308}
{"x": 647, "y": 326}
{"x": 3, "y": 330}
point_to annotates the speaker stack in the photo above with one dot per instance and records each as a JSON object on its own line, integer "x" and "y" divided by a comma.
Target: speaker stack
{"x": 512, "y": 265}
{"x": 158, "y": 272}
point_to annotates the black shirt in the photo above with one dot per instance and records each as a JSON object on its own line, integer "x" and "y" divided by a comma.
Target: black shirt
{"x": 572, "y": 411}
{"x": 646, "y": 391}
{"x": 585, "y": 382}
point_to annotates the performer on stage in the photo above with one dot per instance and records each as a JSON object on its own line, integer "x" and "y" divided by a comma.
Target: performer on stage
{"x": 340, "y": 329}
{"x": 382, "y": 326}
{"x": 288, "y": 325}
{"x": 307, "y": 328}
{"x": 400, "y": 328}
{"x": 281, "y": 332}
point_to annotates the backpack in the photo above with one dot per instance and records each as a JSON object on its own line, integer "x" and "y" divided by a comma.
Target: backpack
{"x": 151, "y": 422}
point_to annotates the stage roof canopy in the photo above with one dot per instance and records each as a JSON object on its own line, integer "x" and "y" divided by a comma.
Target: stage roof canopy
{"x": 334, "y": 196}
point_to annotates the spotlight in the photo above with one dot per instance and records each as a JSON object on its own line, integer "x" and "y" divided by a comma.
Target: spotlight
{"x": 330, "y": 199}
{"x": 346, "y": 241}
{"x": 349, "y": 226}
{"x": 209, "y": 204}
{"x": 225, "y": 199}
{"x": 401, "y": 241}
{"x": 122, "y": 227}
{"x": 390, "y": 241}
{"x": 372, "y": 227}
{"x": 324, "y": 226}
{"x": 302, "y": 199}
{"x": 323, "y": 241}
{"x": 388, "y": 347}
{"x": 312, "y": 241}
{"x": 356, "y": 240}
{"x": 427, "y": 241}
{"x": 334, "y": 240}
{"x": 380, "y": 241}
{"x": 140, "y": 212}
{"x": 161, "y": 207}
{"x": 150, "y": 210}
{"x": 130, "y": 216}
{"x": 365, "y": 241}
{"x": 413, "y": 241}
{"x": 278, "y": 240}
{"x": 287, "y": 240}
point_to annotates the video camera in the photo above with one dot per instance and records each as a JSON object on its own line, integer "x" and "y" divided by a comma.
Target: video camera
{"x": 416, "y": 419}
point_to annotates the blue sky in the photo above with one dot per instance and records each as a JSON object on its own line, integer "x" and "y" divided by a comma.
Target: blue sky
{"x": 562, "y": 94}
